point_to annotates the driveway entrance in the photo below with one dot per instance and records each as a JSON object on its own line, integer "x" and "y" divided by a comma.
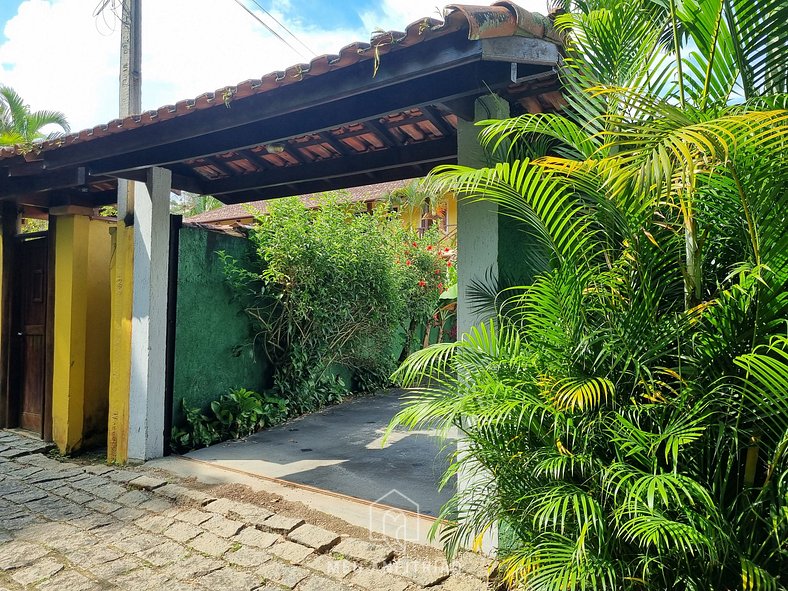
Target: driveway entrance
{"x": 340, "y": 450}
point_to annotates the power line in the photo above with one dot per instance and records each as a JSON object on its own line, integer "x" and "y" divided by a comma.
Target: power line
{"x": 262, "y": 22}
{"x": 273, "y": 18}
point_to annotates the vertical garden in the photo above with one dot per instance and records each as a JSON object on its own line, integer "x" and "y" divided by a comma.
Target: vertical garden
{"x": 626, "y": 413}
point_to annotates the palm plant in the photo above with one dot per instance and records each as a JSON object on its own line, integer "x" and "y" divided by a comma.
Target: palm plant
{"x": 626, "y": 415}
{"x": 20, "y": 125}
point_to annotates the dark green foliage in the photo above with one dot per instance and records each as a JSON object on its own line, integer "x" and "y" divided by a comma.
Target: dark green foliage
{"x": 236, "y": 414}
{"x": 626, "y": 413}
{"x": 332, "y": 288}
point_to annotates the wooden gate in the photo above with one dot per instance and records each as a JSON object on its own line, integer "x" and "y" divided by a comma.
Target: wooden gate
{"x": 28, "y": 376}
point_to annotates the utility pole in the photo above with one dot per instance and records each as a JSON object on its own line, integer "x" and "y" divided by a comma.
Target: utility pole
{"x": 131, "y": 58}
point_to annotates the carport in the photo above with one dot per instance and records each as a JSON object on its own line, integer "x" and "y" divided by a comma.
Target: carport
{"x": 385, "y": 110}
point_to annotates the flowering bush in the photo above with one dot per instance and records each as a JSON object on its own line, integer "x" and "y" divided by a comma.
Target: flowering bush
{"x": 334, "y": 287}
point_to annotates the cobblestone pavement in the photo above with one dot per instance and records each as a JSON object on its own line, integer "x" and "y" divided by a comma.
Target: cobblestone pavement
{"x": 77, "y": 528}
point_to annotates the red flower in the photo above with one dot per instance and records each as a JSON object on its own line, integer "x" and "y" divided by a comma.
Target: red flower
{"x": 415, "y": 245}
{"x": 408, "y": 263}
{"x": 437, "y": 271}
{"x": 422, "y": 283}
{"x": 448, "y": 264}
{"x": 429, "y": 247}
{"x": 446, "y": 249}
{"x": 440, "y": 286}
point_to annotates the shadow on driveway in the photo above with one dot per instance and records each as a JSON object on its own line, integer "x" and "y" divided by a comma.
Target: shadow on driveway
{"x": 340, "y": 450}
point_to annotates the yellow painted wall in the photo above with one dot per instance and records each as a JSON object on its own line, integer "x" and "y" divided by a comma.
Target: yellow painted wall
{"x": 80, "y": 383}
{"x": 122, "y": 273}
{"x": 68, "y": 380}
{"x": 97, "y": 344}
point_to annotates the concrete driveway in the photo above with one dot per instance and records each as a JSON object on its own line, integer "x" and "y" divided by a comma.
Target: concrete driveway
{"x": 340, "y": 450}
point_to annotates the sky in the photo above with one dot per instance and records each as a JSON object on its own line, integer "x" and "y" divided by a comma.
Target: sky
{"x": 57, "y": 55}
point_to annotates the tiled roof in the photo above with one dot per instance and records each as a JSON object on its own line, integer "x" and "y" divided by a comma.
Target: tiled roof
{"x": 240, "y": 211}
{"x": 503, "y": 19}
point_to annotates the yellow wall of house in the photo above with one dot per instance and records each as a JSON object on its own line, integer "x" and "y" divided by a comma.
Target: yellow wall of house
{"x": 98, "y": 329}
{"x": 122, "y": 273}
{"x": 81, "y": 332}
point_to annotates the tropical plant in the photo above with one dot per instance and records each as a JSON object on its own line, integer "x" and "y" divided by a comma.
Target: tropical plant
{"x": 20, "y": 125}
{"x": 238, "y": 413}
{"x": 331, "y": 289}
{"x": 625, "y": 415}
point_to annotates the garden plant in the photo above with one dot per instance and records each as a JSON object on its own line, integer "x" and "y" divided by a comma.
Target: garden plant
{"x": 625, "y": 415}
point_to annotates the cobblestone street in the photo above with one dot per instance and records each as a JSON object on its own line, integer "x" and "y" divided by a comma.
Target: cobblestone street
{"x": 69, "y": 527}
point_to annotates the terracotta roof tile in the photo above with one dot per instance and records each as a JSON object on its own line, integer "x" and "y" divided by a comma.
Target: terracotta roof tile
{"x": 241, "y": 210}
{"x": 502, "y": 19}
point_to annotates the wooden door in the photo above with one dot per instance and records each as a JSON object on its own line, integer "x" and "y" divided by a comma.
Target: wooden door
{"x": 28, "y": 336}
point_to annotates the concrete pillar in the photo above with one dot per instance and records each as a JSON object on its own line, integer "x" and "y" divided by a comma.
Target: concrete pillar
{"x": 149, "y": 316}
{"x": 477, "y": 222}
{"x": 477, "y": 245}
{"x": 122, "y": 273}
{"x": 70, "y": 330}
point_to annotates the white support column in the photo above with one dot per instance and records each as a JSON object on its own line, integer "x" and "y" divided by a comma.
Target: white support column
{"x": 477, "y": 247}
{"x": 149, "y": 315}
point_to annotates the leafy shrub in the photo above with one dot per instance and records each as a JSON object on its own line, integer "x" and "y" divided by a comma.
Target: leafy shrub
{"x": 236, "y": 414}
{"x": 332, "y": 288}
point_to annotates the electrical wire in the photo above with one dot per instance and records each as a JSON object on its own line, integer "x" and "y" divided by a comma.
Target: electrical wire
{"x": 262, "y": 22}
{"x": 289, "y": 32}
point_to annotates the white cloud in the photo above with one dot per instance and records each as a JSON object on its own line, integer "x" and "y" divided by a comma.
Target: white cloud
{"x": 58, "y": 56}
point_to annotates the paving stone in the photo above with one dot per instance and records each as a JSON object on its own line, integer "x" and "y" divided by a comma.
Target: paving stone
{"x": 154, "y": 523}
{"x": 364, "y": 552}
{"x": 474, "y": 564}
{"x": 17, "y": 554}
{"x": 463, "y": 582}
{"x": 68, "y": 580}
{"x": 92, "y": 521}
{"x": 113, "y": 569}
{"x": 156, "y": 505}
{"x": 76, "y": 541}
{"x": 137, "y": 543}
{"x": 194, "y": 516}
{"x": 42, "y": 569}
{"x": 78, "y": 496}
{"x": 247, "y": 557}
{"x": 280, "y": 524}
{"x": 49, "y": 531}
{"x": 26, "y": 496}
{"x": 254, "y": 537}
{"x": 109, "y": 492}
{"x": 146, "y": 483}
{"x": 93, "y": 556}
{"x": 128, "y": 514}
{"x": 134, "y": 498}
{"x": 118, "y": 475}
{"x": 182, "y": 532}
{"x": 103, "y": 506}
{"x": 318, "y": 583}
{"x": 222, "y": 526}
{"x": 424, "y": 574}
{"x": 230, "y": 579}
{"x": 332, "y": 566}
{"x": 376, "y": 580}
{"x": 315, "y": 537}
{"x": 282, "y": 574}
{"x": 142, "y": 578}
{"x": 23, "y": 473}
{"x": 98, "y": 469}
{"x": 290, "y": 551}
{"x": 182, "y": 494}
{"x": 164, "y": 553}
{"x": 210, "y": 544}
{"x": 193, "y": 567}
